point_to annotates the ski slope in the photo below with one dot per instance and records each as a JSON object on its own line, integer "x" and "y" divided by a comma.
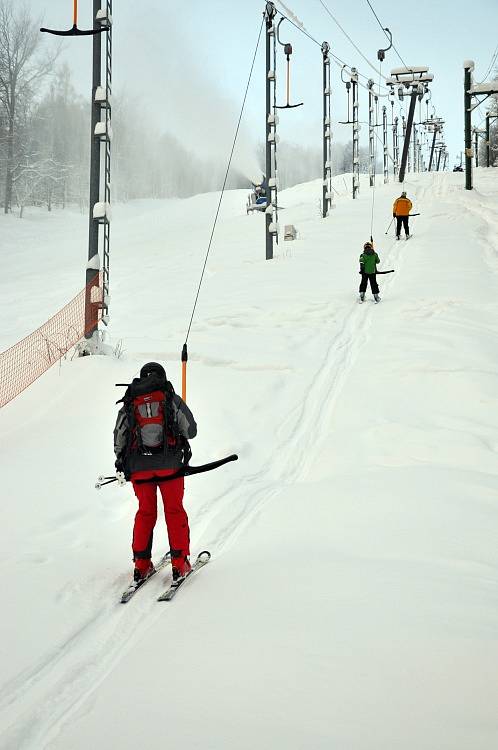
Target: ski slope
{"x": 352, "y": 596}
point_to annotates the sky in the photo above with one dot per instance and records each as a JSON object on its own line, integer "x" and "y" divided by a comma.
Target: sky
{"x": 186, "y": 64}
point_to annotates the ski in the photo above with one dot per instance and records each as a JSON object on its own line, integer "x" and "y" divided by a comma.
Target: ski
{"x": 202, "y": 559}
{"x": 135, "y": 586}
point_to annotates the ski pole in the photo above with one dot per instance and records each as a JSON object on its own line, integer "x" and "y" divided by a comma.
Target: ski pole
{"x": 389, "y": 227}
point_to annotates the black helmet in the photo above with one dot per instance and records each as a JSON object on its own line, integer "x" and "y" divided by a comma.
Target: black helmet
{"x": 153, "y": 368}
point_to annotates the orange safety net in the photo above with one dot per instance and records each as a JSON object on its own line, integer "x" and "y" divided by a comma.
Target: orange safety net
{"x": 24, "y": 362}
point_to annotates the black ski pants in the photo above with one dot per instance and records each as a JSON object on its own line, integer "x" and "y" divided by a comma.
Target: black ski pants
{"x": 369, "y": 277}
{"x": 402, "y": 220}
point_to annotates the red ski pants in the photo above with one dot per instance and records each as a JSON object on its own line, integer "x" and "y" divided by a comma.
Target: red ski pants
{"x": 145, "y": 519}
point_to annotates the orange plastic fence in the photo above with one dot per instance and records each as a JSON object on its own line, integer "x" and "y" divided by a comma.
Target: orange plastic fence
{"x": 24, "y": 362}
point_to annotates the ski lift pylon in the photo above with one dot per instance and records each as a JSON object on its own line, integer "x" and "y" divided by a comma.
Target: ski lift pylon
{"x": 288, "y": 52}
{"x": 74, "y": 30}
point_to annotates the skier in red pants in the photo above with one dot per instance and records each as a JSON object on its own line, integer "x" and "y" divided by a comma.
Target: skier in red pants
{"x": 150, "y": 442}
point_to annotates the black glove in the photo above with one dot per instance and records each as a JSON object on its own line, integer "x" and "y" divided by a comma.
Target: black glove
{"x": 394, "y": 216}
{"x": 118, "y": 464}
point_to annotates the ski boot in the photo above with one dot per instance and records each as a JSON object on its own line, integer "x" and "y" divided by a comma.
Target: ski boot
{"x": 180, "y": 568}
{"x": 376, "y": 298}
{"x": 362, "y": 296}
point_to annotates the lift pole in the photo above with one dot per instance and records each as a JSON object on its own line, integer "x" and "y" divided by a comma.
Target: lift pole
{"x": 270, "y": 13}
{"x": 384, "y": 129}
{"x": 468, "y": 68}
{"x": 371, "y": 134}
{"x": 395, "y": 146}
{"x": 356, "y": 134}
{"x": 488, "y": 135}
{"x": 327, "y": 134}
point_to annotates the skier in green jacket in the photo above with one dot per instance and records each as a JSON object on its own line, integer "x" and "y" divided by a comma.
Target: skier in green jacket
{"x": 368, "y": 270}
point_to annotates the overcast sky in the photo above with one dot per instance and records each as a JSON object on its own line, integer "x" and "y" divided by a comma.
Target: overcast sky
{"x": 185, "y": 64}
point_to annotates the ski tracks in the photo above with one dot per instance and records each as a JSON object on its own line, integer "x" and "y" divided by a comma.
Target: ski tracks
{"x": 45, "y": 697}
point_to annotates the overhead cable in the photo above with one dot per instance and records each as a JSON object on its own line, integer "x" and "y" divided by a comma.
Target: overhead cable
{"x": 386, "y": 34}
{"x": 224, "y": 182}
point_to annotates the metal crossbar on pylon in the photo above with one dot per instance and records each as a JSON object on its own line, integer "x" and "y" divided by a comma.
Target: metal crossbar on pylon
{"x": 24, "y": 362}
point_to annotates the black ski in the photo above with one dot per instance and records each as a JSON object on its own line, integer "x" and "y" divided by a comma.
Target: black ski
{"x": 202, "y": 559}
{"x": 134, "y": 585}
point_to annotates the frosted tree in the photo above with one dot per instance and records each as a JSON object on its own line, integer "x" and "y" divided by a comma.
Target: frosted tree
{"x": 22, "y": 68}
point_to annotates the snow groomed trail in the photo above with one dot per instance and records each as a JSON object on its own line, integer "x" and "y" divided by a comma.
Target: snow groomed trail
{"x": 351, "y": 600}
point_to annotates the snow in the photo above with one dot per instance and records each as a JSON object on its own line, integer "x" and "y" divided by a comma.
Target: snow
{"x": 489, "y": 87}
{"x": 409, "y": 70}
{"x": 351, "y": 600}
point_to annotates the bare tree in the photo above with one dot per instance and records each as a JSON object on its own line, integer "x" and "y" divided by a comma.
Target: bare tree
{"x": 21, "y": 69}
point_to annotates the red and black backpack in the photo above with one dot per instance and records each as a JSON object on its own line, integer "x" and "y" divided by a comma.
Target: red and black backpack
{"x": 153, "y": 427}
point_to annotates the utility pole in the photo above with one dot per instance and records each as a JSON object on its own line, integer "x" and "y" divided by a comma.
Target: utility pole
{"x": 356, "y": 135}
{"x": 327, "y": 134}
{"x": 476, "y": 146}
{"x": 395, "y": 146}
{"x": 415, "y": 133}
{"x": 386, "y": 162}
{"x": 101, "y": 135}
{"x": 468, "y": 67}
{"x": 440, "y": 151}
{"x": 271, "y": 135}
{"x": 371, "y": 135}
{"x": 488, "y": 136}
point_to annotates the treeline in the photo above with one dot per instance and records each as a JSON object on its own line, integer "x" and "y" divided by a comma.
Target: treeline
{"x": 45, "y": 136}
{"x": 492, "y": 107}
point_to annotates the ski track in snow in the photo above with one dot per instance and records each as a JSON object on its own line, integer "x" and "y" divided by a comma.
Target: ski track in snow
{"x": 65, "y": 678}
{"x": 67, "y": 671}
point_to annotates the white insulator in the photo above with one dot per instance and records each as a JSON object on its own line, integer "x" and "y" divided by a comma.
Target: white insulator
{"x": 274, "y": 227}
{"x": 327, "y": 91}
{"x": 273, "y": 138}
{"x": 104, "y": 130}
{"x": 326, "y": 121}
{"x": 101, "y": 94}
{"x": 270, "y": 209}
{"x": 325, "y": 183}
{"x": 273, "y": 120}
{"x": 102, "y": 210}
{"x": 327, "y": 133}
{"x": 271, "y": 75}
{"x": 327, "y": 165}
{"x": 273, "y": 182}
{"x": 94, "y": 263}
{"x": 103, "y": 18}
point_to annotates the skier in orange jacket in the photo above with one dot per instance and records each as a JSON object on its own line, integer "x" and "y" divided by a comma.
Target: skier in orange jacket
{"x": 401, "y": 210}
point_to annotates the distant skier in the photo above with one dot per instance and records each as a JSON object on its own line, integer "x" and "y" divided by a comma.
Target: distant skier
{"x": 401, "y": 210}
{"x": 151, "y": 441}
{"x": 368, "y": 270}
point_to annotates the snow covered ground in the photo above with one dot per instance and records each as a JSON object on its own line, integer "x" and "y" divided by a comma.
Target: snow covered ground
{"x": 352, "y": 597}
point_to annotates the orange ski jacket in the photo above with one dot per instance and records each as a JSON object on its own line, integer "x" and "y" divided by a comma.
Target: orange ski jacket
{"x": 402, "y": 207}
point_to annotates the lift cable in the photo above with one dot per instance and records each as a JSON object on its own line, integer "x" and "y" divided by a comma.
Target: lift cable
{"x": 490, "y": 66}
{"x": 384, "y": 30}
{"x": 224, "y": 183}
{"x": 337, "y": 60}
{"x": 327, "y": 10}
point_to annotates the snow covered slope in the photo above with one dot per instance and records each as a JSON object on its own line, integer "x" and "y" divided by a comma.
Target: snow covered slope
{"x": 352, "y": 597}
